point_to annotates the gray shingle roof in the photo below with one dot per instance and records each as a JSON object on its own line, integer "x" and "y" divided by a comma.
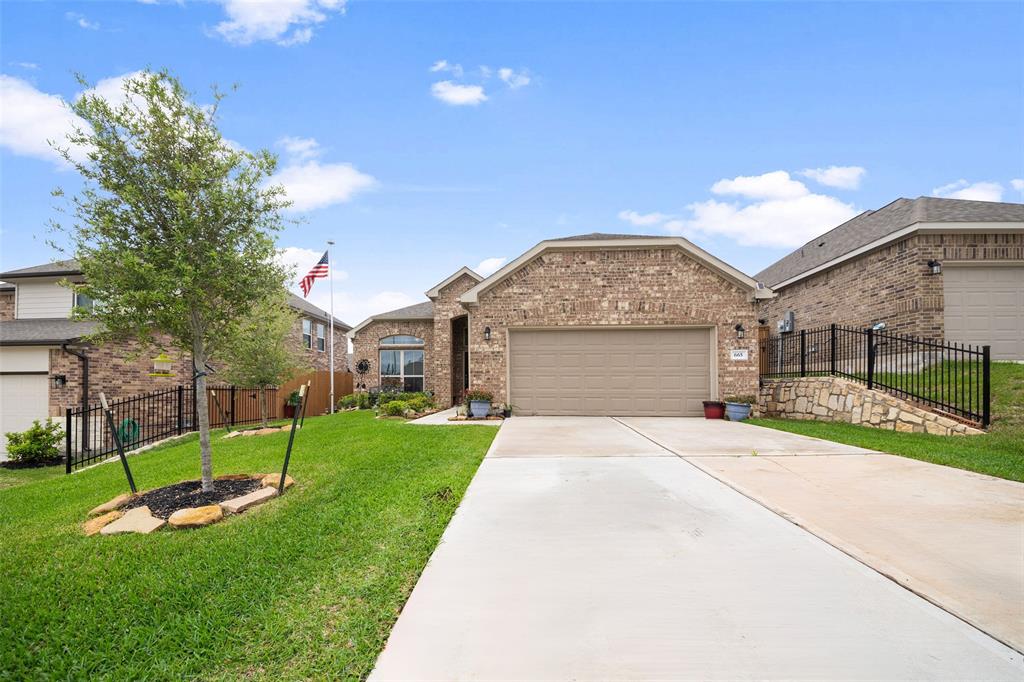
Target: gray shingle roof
{"x": 302, "y": 305}
{"x": 43, "y": 332}
{"x": 596, "y": 236}
{"x": 418, "y": 311}
{"x": 55, "y": 269}
{"x": 873, "y": 225}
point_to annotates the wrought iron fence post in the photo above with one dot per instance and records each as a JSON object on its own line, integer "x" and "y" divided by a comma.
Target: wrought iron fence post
{"x": 986, "y": 407}
{"x": 803, "y": 352}
{"x": 67, "y": 440}
{"x": 832, "y": 347}
{"x": 871, "y": 358}
{"x": 181, "y": 409}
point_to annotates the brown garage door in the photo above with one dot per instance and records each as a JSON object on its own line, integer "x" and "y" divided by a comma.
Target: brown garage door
{"x": 984, "y": 305}
{"x": 616, "y": 372}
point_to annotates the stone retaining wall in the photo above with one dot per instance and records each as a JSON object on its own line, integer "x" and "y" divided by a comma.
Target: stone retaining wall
{"x": 840, "y": 400}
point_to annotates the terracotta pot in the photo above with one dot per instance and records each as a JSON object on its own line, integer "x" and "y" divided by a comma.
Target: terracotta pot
{"x": 714, "y": 409}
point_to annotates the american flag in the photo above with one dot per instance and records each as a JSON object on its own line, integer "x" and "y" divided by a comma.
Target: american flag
{"x": 319, "y": 271}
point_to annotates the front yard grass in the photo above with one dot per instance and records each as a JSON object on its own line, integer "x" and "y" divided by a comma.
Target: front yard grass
{"x": 306, "y": 587}
{"x": 1000, "y": 452}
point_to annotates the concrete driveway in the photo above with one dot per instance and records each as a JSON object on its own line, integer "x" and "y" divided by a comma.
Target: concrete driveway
{"x": 617, "y": 559}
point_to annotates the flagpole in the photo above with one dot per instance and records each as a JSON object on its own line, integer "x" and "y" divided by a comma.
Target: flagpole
{"x": 330, "y": 276}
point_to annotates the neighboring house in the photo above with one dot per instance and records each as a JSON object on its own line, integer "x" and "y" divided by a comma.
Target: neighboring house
{"x": 934, "y": 268}
{"x": 596, "y": 324}
{"x": 43, "y": 357}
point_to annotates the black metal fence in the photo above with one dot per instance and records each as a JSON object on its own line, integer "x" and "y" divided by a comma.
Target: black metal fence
{"x": 950, "y": 377}
{"x": 150, "y": 417}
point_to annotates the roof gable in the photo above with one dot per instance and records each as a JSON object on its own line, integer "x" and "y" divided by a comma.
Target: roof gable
{"x": 435, "y": 290}
{"x": 602, "y": 241}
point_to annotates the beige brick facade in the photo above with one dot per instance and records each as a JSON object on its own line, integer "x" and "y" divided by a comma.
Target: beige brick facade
{"x": 6, "y": 305}
{"x": 891, "y": 284}
{"x": 445, "y": 363}
{"x": 366, "y": 346}
{"x": 629, "y": 287}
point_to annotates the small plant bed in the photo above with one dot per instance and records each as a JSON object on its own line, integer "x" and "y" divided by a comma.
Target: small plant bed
{"x": 32, "y": 464}
{"x": 258, "y": 431}
{"x": 182, "y": 505}
{"x": 163, "y": 502}
{"x": 488, "y": 418}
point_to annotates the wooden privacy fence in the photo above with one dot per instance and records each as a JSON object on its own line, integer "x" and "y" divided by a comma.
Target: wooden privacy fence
{"x": 318, "y": 398}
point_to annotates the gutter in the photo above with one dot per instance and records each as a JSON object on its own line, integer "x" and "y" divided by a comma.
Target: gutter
{"x": 85, "y": 390}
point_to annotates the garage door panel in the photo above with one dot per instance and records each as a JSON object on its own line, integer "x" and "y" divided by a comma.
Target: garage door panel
{"x": 23, "y": 399}
{"x": 984, "y": 305}
{"x": 610, "y": 371}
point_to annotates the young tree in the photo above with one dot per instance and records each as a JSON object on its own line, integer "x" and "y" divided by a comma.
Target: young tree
{"x": 262, "y": 351}
{"x": 174, "y": 226}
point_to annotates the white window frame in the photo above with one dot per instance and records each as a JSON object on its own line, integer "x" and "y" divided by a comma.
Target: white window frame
{"x": 307, "y": 333}
{"x": 321, "y": 337}
{"x": 402, "y": 376}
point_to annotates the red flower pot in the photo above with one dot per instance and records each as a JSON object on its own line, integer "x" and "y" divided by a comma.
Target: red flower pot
{"x": 714, "y": 409}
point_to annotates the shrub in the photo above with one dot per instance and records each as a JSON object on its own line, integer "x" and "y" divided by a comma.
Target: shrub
{"x": 396, "y": 408}
{"x": 477, "y": 394}
{"x": 36, "y": 444}
{"x": 349, "y": 401}
{"x": 420, "y": 403}
{"x": 746, "y": 399}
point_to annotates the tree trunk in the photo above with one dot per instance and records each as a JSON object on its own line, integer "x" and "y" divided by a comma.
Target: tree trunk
{"x": 203, "y": 410}
{"x": 263, "y": 405}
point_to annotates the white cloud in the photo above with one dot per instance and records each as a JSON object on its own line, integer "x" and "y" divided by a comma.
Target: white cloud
{"x": 489, "y": 266}
{"x": 843, "y": 177}
{"x": 285, "y": 22}
{"x": 642, "y": 219}
{"x": 773, "y": 185}
{"x": 82, "y": 21}
{"x": 29, "y": 118}
{"x": 31, "y": 66}
{"x": 774, "y": 222}
{"x": 311, "y": 185}
{"x": 300, "y": 148}
{"x": 112, "y": 89}
{"x": 442, "y": 65}
{"x": 1017, "y": 184}
{"x": 978, "y": 191}
{"x": 512, "y": 79}
{"x": 458, "y": 95}
{"x": 302, "y": 260}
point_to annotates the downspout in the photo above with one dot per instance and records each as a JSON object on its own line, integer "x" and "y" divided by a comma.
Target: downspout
{"x": 85, "y": 392}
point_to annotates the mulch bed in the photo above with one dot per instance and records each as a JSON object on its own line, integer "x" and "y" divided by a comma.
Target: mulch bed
{"x": 163, "y": 502}
{"x": 35, "y": 464}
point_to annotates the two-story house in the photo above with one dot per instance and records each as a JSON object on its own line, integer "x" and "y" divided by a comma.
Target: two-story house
{"x": 46, "y": 365}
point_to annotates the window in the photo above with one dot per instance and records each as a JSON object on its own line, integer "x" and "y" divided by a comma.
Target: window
{"x": 307, "y": 334}
{"x": 401, "y": 340}
{"x": 320, "y": 343}
{"x": 402, "y": 369}
{"x": 83, "y": 301}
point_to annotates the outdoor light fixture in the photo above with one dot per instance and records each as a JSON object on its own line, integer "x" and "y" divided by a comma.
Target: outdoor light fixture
{"x": 879, "y": 326}
{"x": 935, "y": 267}
{"x": 740, "y": 331}
{"x": 59, "y": 380}
{"x": 162, "y": 365}
{"x": 487, "y": 333}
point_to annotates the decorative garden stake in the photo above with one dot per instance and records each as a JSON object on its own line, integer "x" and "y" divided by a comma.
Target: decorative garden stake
{"x": 117, "y": 442}
{"x": 291, "y": 438}
{"x": 302, "y": 422}
{"x": 220, "y": 410}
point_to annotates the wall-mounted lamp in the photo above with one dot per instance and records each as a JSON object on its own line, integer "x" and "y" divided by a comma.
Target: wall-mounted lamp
{"x": 487, "y": 333}
{"x": 59, "y": 380}
{"x": 935, "y": 267}
{"x": 740, "y": 331}
{"x": 878, "y": 326}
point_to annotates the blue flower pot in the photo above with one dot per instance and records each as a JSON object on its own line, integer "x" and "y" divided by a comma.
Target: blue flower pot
{"x": 737, "y": 412}
{"x": 479, "y": 408}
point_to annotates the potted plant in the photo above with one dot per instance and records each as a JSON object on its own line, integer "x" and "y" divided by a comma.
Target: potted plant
{"x": 479, "y": 403}
{"x": 714, "y": 409}
{"x": 506, "y": 410}
{"x": 737, "y": 408}
{"x": 290, "y": 403}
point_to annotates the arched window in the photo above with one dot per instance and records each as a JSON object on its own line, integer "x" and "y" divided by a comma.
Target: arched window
{"x": 401, "y": 340}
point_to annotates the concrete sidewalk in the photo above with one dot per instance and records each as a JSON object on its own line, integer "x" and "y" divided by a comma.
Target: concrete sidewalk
{"x": 558, "y": 565}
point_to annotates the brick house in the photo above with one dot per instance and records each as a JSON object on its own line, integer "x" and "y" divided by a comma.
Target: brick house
{"x": 43, "y": 355}
{"x": 595, "y": 324}
{"x": 934, "y": 268}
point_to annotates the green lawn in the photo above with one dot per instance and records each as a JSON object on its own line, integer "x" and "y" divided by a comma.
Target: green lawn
{"x": 998, "y": 453}
{"x": 305, "y": 587}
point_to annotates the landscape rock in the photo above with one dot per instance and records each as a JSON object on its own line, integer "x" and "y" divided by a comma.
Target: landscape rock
{"x": 196, "y": 517}
{"x": 240, "y": 504}
{"x": 236, "y": 477}
{"x": 95, "y": 525}
{"x": 116, "y": 503}
{"x": 273, "y": 480}
{"x": 137, "y": 520}
{"x": 232, "y": 434}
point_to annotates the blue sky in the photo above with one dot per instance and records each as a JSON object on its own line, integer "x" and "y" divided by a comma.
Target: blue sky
{"x": 423, "y": 137}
